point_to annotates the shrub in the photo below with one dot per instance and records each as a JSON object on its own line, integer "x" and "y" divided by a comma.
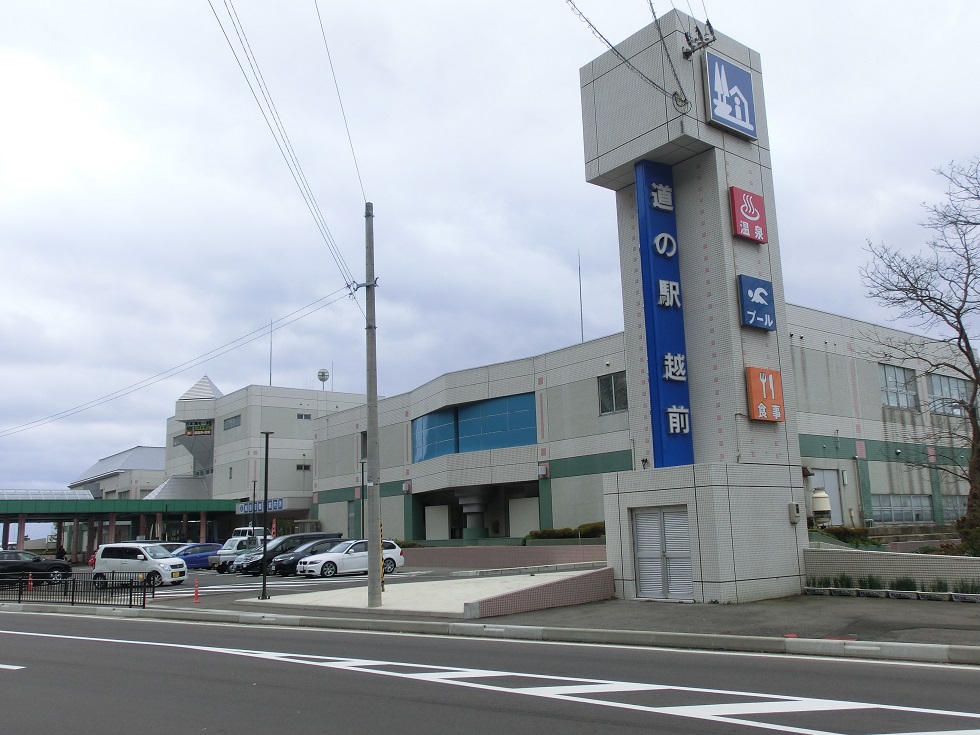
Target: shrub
{"x": 553, "y": 533}
{"x": 408, "y": 544}
{"x": 843, "y": 581}
{"x": 905, "y": 584}
{"x": 819, "y": 582}
{"x": 593, "y": 530}
{"x": 586, "y": 530}
{"x": 871, "y": 582}
{"x": 967, "y": 587}
{"x": 939, "y": 585}
{"x": 848, "y": 535}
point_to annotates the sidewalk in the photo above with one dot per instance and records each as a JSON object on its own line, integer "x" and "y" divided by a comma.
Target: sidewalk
{"x": 912, "y": 630}
{"x": 915, "y": 630}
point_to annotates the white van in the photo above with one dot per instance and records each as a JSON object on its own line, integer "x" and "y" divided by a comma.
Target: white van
{"x": 250, "y": 531}
{"x": 124, "y": 560}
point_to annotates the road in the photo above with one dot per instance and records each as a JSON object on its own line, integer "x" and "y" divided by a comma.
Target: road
{"x": 105, "y": 675}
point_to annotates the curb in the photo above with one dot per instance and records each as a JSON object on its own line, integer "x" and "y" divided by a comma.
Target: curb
{"x": 870, "y": 650}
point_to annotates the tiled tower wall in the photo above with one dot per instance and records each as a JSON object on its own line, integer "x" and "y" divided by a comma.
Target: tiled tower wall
{"x": 743, "y": 546}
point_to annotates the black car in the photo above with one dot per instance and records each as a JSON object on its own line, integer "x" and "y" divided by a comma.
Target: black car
{"x": 284, "y": 564}
{"x": 15, "y": 564}
{"x": 251, "y": 561}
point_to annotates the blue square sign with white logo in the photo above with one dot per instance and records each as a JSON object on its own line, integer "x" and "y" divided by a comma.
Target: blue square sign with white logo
{"x": 755, "y": 299}
{"x": 730, "y": 103}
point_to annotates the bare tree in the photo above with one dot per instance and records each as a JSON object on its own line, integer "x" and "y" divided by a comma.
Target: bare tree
{"x": 938, "y": 291}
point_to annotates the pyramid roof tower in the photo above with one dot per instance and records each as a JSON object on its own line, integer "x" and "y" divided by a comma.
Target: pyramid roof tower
{"x": 203, "y": 388}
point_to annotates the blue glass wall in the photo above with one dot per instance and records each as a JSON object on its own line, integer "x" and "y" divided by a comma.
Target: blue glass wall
{"x": 434, "y": 435}
{"x": 493, "y": 424}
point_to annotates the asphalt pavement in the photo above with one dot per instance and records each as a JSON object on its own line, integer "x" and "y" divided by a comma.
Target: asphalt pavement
{"x": 431, "y": 601}
{"x": 920, "y": 630}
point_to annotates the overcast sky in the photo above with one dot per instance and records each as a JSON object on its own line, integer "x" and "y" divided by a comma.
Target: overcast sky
{"x": 148, "y": 218}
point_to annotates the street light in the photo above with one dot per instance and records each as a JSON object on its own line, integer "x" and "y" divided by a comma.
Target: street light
{"x": 265, "y": 517}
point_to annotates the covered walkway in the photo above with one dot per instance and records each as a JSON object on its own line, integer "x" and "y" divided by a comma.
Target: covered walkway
{"x": 83, "y": 523}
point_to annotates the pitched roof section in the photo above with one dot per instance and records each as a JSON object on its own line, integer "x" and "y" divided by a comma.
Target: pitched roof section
{"x": 203, "y": 388}
{"x": 45, "y": 495}
{"x": 137, "y": 458}
{"x": 181, "y": 488}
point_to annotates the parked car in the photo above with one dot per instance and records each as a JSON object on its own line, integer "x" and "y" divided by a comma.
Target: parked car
{"x": 16, "y": 563}
{"x": 285, "y": 564}
{"x": 250, "y": 531}
{"x": 196, "y": 556}
{"x": 150, "y": 560}
{"x": 251, "y": 562}
{"x": 350, "y": 557}
{"x": 235, "y": 546}
{"x": 170, "y": 546}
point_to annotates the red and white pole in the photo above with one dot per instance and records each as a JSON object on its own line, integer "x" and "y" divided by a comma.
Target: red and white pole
{"x": 197, "y": 596}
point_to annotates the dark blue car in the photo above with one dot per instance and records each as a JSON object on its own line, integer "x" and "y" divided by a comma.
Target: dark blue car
{"x": 195, "y": 556}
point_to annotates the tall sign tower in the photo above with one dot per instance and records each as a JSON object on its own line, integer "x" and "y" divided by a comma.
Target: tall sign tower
{"x": 679, "y": 133}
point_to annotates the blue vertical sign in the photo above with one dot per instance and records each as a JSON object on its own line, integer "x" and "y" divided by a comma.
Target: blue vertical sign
{"x": 757, "y": 302}
{"x": 663, "y": 306}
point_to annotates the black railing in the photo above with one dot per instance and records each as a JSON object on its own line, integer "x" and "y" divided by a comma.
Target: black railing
{"x": 116, "y": 589}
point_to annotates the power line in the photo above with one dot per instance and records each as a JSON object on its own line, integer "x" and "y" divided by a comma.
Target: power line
{"x": 670, "y": 59}
{"x": 343, "y": 114}
{"x": 680, "y": 101}
{"x": 279, "y": 134}
{"x": 224, "y": 349}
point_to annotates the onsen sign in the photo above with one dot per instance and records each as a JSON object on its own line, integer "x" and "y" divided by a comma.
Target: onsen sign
{"x": 748, "y": 215}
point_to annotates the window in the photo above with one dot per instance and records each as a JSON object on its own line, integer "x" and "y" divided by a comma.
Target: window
{"x": 947, "y": 395}
{"x": 612, "y": 393}
{"x": 901, "y": 508}
{"x": 233, "y": 422}
{"x": 954, "y": 507}
{"x": 303, "y": 467}
{"x": 897, "y": 387}
{"x": 304, "y": 416}
{"x": 509, "y": 421}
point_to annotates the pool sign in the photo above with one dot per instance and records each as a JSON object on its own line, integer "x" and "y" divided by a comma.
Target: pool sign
{"x": 730, "y": 102}
{"x": 757, "y": 304}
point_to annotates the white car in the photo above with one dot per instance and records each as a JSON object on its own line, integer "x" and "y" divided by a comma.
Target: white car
{"x": 349, "y": 557}
{"x": 127, "y": 561}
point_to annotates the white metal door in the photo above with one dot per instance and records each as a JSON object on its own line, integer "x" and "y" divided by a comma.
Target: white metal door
{"x": 662, "y": 541}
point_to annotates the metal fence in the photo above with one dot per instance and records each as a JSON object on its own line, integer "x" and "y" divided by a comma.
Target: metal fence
{"x": 119, "y": 589}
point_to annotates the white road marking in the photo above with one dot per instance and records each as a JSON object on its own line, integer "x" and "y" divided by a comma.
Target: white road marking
{"x": 571, "y": 689}
{"x": 10, "y": 667}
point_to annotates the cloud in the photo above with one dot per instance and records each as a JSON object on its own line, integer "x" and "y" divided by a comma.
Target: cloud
{"x": 149, "y": 218}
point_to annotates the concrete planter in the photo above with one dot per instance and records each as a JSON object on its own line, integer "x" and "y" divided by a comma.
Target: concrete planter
{"x": 843, "y": 591}
{"x": 936, "y": 596}
{"x": 903, "y": 594}
{"x": 964, "y": 597}
{"x": 872, "y": 593}
{"x": 816, "y": 590}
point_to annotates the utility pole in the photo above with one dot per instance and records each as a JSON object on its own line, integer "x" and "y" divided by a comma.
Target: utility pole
{"x": 265, "y": 519}
{"x": 373, "y": 445}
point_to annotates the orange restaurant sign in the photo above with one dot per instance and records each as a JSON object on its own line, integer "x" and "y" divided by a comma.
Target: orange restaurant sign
{"x": 765, "y": 391}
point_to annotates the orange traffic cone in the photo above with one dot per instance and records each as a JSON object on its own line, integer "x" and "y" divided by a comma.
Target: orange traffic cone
{"x": 197, "y": 597}
{"x": 30, "y": 582}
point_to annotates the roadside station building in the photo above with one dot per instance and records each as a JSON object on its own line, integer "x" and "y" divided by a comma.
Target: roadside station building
{"x": 699, "y": 434}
